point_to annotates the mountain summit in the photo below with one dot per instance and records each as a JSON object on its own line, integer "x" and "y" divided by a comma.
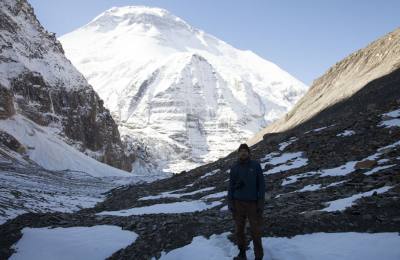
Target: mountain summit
{"x": 182, "y": 96}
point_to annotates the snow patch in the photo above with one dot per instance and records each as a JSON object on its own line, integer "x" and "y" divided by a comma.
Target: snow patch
{"x": 393, "y": 114}
{"x": 342, "y": 204}
{"x": 173, "y": 194}
{"x": 342, "y": 170}
{"x": 394, "y": 120}
{"x": 216, "y": 195}
{"x": 315, "y": 246}
{"x": 285, "y": 162}
{"x": 346, "y": 133}
{"x": 319, "y": 129}
{"x": 217, "y": 247}
{"x": 167, "y": 208}
{"x": 335, "y": 183}
{"x": 295, "y": 178}
{"x": 311, "y": 187}
{"x": 377, "y": 169}
{"x": 390, "y": 123}
{"x": 97, "y": 242}
{"x": 209, "y": 174}
{"x": 283, "y": 145}
{"x": 46, "y": 148}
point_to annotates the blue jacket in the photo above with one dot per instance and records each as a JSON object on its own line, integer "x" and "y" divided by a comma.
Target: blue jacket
{"x": 246, "y": 181}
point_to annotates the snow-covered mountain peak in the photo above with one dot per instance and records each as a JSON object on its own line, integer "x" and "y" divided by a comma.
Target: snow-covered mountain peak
{"x": 138, "y": 18}
{"x": 182, "y": 93}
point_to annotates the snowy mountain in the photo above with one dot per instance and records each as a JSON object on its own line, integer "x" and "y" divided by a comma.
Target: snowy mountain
{"x": 183, "y": 95}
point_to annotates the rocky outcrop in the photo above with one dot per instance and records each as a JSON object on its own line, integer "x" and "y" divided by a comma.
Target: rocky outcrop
{"x": 6, "y": 103}
{"x": 10, "y": 142}
{"x": 38, "y": 82}
{"x": 80, "y": 112}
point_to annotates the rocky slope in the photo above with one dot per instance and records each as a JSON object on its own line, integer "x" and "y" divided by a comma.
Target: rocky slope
{"x": 39, "y": 83}
{"x": 184, "y": 95}
{"x": 338, "y": 172}
{"x": 341, "y": 81}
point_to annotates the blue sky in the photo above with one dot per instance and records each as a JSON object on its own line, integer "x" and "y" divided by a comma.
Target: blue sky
{"x": 304, "y": 37}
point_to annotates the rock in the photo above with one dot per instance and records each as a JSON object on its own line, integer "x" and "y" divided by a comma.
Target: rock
{"x": 367, "y": 217}
{"x": 12, "y": 143}
{"x": 367, "y": 164}
{"x": 6, "y": 103}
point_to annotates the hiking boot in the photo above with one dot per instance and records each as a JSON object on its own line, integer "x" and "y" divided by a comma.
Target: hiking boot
{"x": 241, "y": 255}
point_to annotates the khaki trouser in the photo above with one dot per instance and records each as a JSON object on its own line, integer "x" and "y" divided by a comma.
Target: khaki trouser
{"x": 243, "y": 210}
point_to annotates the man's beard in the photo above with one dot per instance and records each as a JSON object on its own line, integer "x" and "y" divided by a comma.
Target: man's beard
{"x": 244, "y": 159}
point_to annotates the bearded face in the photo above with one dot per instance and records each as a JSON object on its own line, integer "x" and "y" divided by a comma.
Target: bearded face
{"x": 243, "y": 154}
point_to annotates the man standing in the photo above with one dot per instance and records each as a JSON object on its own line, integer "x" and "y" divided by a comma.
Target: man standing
{"x": 246, "y": 200}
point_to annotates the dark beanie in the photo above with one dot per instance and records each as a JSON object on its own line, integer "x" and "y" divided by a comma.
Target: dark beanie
{"x": 244, "y": 146}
